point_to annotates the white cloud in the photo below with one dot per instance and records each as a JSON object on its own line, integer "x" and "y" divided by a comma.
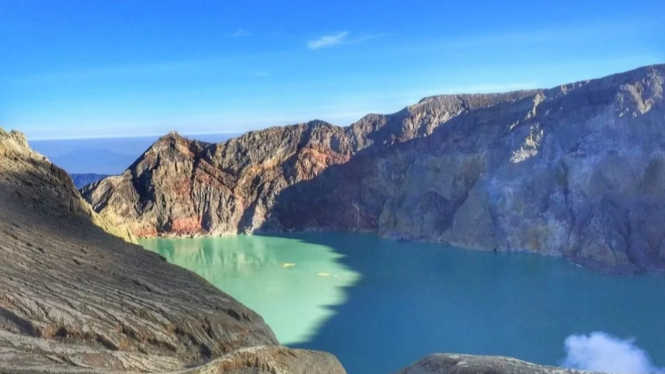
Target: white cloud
{"x": 602, "y": 352}
{"x": 340, "y": 38}
{"x": 328, "y": 40}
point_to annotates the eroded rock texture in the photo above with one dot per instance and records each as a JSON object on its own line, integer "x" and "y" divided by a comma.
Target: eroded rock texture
{"x": 576, "y": 170}
{"x": 464, "y": 364}
{"x": 75, "y": 299}
{"x": 185, "y": 187}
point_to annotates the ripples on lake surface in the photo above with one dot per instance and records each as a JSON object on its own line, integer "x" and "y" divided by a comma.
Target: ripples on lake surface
{"x": 378, "y": 305}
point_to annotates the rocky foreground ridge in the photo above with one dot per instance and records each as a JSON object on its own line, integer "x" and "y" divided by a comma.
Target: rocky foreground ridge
{"x": 577, "y": 170}
{"x": 465, "y": 364}
{"x": 75, "y": 299}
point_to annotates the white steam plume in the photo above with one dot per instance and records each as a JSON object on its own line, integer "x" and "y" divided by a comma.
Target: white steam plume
{"x": 602, "y": 352}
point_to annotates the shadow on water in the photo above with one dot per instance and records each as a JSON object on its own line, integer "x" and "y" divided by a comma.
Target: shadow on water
{"x": 379, "y": 305}
{"x": 290, "y": 283}
{"x": 414, "y": 299}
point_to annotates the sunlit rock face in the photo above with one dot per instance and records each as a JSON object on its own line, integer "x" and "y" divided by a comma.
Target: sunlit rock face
{"x": 34, "y": 177}
{"x": 181, "y": 187}
{"x": 576, "y": 170}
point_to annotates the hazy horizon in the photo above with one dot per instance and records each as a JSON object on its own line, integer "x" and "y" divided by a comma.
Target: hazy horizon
{"x": 80, "y": 69}
{"x": 106, "y": 156}
{"x": 202, "y": 135}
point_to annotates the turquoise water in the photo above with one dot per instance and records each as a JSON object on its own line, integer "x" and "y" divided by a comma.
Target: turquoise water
{"x": 379, "y": 305}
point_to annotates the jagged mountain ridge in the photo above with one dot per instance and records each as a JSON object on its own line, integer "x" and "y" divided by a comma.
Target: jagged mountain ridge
{"x": 574, "y": 170}
{"x": 577, "y": 170}
{"x": 186, "y": 187}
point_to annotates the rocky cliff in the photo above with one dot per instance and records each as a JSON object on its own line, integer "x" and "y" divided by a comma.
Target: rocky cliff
{"x": 577, "y": 170}
{"x": 186, "y": 187}
{"x": 74, "y": 299}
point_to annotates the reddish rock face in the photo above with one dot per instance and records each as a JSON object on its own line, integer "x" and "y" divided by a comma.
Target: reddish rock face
{"x": 73, "y": 297}
{"x": 575, "y": 170}
{"x": 182, "y": 187}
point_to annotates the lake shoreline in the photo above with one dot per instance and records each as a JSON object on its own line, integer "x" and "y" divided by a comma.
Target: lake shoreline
{"x": 442, "y": 298}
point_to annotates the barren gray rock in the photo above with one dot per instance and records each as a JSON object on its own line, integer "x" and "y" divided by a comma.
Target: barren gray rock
{"x": 271, "y": 360}
{"x": 576, "y": 170}
{"x": 75, "y": 299}
{"x": 465, "y": 364}
{"x": 181, "y": 187}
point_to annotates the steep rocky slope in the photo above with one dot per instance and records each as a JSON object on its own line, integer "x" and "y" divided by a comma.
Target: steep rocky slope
{"x": 576, "y": 170}
{"x": 75, "y": 299}
{"x": 184, "y": 187}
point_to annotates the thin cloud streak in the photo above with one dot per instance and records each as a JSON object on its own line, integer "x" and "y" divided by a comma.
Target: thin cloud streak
{"x": 327, "y": 41}
{"x": 340, "y": 38}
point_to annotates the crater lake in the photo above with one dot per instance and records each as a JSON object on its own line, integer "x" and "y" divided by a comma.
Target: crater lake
{"x": 379, "y": 305}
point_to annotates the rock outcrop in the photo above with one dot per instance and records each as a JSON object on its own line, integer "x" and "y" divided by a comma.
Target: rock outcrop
{"x": 465, "y": 364}
{"x": 576, "y": 170}
{"x": 183, "y": 187}
{"x": 74, "y": 299}
{"x": 49, "y": 188}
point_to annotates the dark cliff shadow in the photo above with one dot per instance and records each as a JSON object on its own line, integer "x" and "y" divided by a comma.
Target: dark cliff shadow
{"x": 373, "y": 330}
{"x": 414, "y": 299}
{"x": 367, "y": 331}
{"x": 404, "y": 306}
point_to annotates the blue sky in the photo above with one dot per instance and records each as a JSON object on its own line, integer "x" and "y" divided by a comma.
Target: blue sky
{"x": 89, "y": 68}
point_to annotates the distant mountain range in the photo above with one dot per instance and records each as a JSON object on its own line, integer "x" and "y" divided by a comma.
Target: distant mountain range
{"x": 85, "y": 160}
{"x": 577, "y": 170}
{"x": 82, "y": 180}
{"x": 109, "y": 156}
